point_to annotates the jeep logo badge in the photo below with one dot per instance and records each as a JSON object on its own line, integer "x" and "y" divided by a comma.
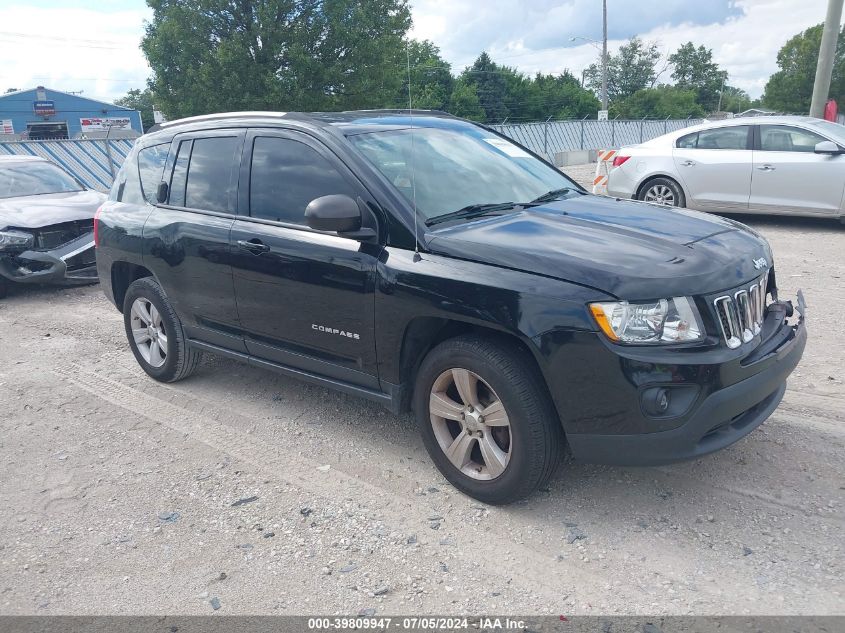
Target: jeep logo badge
{"x": 760, "y": 263}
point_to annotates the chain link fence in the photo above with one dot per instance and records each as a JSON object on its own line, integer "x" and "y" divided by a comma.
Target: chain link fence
{"x": 551, "y": 137}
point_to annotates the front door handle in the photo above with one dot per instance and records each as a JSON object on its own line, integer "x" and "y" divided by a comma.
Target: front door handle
{"x": 254, "y": 246}
{"x": 766, "y": 168}
{"x": 688, "y": 163}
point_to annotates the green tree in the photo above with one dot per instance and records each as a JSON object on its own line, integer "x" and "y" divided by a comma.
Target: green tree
{"x": 660, "y": 102}
{"x": 141, "y": 100}
{"x": 562, "y": 97}
{"x": 694, "y": 69}
{"x": 505, "y": 92}
{"x": 464, "y": 101}
{"x": 491, "y": 87}
{"x": 431, "y": 78}
{"x": 217, "y": 55}
{"x": 790, "y": 89}
{"x": 632, "y": 68}
{"x": 735, "y": 100}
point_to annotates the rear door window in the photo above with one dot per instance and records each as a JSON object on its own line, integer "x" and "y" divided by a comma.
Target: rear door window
{"x": 210, "y": 184}
{"x": 733, "y": 137}
{"x": 688, "y": 142}
{"x": 205, "y": 174}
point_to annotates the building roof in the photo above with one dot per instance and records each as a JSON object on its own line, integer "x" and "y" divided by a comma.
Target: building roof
{"x": 49, "y": 91}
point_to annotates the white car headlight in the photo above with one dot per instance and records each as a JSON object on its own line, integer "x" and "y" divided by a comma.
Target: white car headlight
{"x": 674, "y": 320}
{"x": 15, "y": 240}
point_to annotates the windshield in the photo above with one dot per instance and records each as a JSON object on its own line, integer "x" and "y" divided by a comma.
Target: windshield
{"x": 34, "y": 178}
{"x": 456, "y": 168}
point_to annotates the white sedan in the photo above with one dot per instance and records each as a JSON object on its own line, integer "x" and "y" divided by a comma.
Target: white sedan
{"x": 785, "y": 165}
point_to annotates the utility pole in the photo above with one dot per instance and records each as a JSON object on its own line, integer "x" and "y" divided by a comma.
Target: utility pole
{"x": 721, "y": 92}
{"x": 827, "y": 50}
{"x": 604, "y": 54}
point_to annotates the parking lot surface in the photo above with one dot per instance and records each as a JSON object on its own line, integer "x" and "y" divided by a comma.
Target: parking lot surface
{"x": 254, "y": 493}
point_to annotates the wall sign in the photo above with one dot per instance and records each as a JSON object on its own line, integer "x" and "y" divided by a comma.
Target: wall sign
{"x": 44, "y": 108}
{"x": 97, "y": 124}
{"x": 6, "y": 126}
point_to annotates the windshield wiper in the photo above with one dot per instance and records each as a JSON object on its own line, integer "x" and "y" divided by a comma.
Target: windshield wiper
{"x": 554, "y": 194}
{"x": 471, "y": 211}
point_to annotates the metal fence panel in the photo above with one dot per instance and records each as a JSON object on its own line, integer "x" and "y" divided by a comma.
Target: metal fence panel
{"x": 93, "y": 162}
{"x": 562, "y": 136}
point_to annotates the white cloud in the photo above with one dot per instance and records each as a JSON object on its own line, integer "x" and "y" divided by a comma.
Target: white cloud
{"x": 96, "y": 50}
{"x": 745, "y": 40}
{"x": 73, "y": 49}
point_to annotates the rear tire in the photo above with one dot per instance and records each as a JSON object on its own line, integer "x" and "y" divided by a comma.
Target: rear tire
{"x": 663, "y": 191}
{"x": 513, "y": 455}
{"x": 155, "y": 333}
{"x": 4, "y": 288}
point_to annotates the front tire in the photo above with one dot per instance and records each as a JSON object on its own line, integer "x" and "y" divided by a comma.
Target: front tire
{"x": 4, "y": 288}
{"x": 486, "y": 419}
{"x": 664, "y": 191}
{"x": 155, "y": 333}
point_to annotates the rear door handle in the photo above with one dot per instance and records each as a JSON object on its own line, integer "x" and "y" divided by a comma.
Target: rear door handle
{"x": 254, "y": 246}
{"x": 766, "y": 168}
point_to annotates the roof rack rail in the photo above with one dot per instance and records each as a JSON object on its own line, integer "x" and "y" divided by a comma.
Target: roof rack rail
{"x": 222, "y": 115}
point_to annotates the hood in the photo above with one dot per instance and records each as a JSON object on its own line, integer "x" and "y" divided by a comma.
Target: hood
{"x": 631, "y": 250}
{"x": 32, "y": 212}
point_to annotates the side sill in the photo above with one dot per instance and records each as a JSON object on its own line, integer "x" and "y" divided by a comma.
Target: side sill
{"x": 390, "y": 400}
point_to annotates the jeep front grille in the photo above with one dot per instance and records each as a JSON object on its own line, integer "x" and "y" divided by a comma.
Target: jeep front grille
{"x": 741, "y": 315}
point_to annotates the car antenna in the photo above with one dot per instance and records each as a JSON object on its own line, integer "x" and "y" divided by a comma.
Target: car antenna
{"x": 417, "y": 256}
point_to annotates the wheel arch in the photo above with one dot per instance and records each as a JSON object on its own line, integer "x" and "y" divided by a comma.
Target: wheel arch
{"x": 422, "y": 334}
{"x": 651, "y": 177}
{"x": 122, "y": 276}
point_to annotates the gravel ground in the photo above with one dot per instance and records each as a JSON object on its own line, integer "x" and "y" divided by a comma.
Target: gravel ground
{"x": 245, "y": 492}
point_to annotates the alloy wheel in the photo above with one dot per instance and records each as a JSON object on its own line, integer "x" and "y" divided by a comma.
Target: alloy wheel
{"x": 470, "y": 423}
{"x": 148, "y": 332}
{"x": 660, "y": 194}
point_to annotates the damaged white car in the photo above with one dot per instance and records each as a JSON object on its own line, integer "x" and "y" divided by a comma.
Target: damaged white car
{"x": 46, "y": 224}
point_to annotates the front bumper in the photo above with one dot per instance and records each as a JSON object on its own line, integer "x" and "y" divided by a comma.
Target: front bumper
{"x": 721, "y": 418}
{"x": 70, "y": 264}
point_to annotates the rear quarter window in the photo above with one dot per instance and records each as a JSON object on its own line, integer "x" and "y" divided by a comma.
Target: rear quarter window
{"x": 150, "y": 168}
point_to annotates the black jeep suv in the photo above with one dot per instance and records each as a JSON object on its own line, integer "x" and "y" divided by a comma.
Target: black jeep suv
{"x": 424, "y": 261}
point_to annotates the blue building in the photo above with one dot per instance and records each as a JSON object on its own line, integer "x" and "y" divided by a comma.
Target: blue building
{"x": 45, "y": 114}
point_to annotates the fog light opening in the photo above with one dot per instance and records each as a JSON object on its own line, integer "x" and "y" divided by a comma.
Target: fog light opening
{"x": 656, "y": 401}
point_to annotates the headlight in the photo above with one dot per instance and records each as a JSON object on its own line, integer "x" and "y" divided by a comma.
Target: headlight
{"x": 673, "y": 320}
{"x": 15, "y": 240}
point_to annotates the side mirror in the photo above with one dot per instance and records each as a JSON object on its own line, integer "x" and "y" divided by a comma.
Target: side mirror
{"x": 336, "y": 212}
{"x": 161, "y": 192}
{"x": 827, "y": 147}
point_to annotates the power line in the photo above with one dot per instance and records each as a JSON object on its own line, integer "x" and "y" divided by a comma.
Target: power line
{"x": 81, "y": 43}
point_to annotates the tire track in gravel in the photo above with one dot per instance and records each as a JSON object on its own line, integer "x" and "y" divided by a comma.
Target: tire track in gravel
{"x": 166, "y": 404}
{"x": 405, "y": 513}
{"x": 530, "y": 566}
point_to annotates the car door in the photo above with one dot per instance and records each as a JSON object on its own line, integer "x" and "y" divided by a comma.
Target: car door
{"x": 714, "y": 166}
{"x": 186, "y": 238}
{"x": 789, "y": 177}
{"x": 305, "y": 298}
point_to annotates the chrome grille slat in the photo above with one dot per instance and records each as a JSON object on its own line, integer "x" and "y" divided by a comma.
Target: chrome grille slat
{"x": 744, "y": 311}
{"x": 741, "y": 316}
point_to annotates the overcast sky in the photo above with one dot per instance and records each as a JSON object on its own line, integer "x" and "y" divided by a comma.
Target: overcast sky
{"x": 92, "y": 45}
